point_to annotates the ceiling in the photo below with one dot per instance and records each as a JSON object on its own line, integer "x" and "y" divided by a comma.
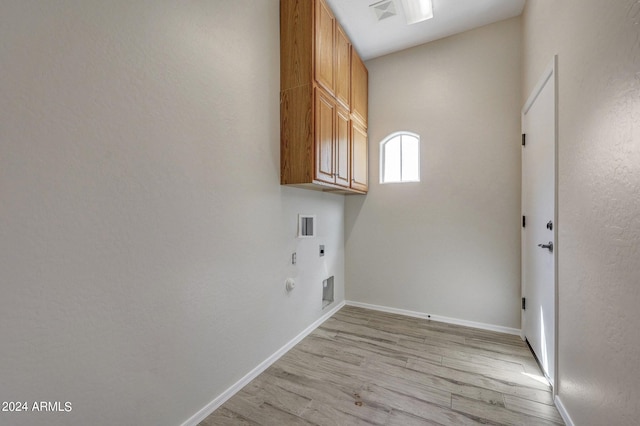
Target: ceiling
{"x": 373, "y": 38}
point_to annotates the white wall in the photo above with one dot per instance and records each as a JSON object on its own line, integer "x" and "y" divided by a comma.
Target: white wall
{"x": 449, "y": 245}
{"x": 144, "y": 236}
{"x": 598, "y": 47}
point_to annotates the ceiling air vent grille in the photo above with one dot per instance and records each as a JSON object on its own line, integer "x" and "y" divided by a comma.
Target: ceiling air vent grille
{"x": 384, "y": 9}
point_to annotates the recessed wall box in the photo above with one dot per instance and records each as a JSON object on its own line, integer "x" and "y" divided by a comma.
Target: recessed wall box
{"x": 327, "y": 292}
{"x": 306, "y": 226}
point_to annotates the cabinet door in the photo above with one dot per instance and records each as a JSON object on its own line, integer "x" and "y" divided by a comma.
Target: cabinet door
{"x": 325, "y": 46}
{"x": 325, "y": 113}
{"x": 359, "y": 87}
{"x": 343, "y": 67}
{"x": 343, "y": 147}
{"x": 359, "y": 157}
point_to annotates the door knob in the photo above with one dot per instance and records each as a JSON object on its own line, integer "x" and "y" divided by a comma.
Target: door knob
{"x": 547, "y": 246}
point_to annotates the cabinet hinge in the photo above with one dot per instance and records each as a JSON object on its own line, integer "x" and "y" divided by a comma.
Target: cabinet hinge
{"x": 524, "y": 139}
{"x": 524, "y": 221}
{"x": 524, "y": 303}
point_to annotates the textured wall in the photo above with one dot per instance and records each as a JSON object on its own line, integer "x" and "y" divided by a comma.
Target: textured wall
{"x": 598, "y": 47}
{"x": 144, "y": 237}
{"x": 449, "y": 245}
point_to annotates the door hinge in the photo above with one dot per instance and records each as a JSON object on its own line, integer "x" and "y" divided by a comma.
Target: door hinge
{"x": 524, "y": 221}
{"x": 524, "y": 139}
{"x": 524, "y": 303}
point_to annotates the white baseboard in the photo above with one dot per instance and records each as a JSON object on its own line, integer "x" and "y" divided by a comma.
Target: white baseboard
{"x": 563, "y": 411}
{"x": 224, "y": 396}
{"x": 480, "y": 325}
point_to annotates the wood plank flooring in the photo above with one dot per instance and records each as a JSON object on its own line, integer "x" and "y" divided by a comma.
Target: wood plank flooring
{"x": 364, "y": 367}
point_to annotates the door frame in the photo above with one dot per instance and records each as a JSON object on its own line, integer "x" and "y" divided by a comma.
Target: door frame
{"x": 550, "y": 72}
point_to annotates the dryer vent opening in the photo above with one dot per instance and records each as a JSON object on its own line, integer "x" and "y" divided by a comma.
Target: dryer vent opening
{"x": 327, "y": 292}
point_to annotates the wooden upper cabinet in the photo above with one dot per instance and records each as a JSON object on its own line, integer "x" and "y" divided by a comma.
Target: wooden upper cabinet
{"x": 359, "y": 88}
{"x": 323, "y": 135}
{"x": 325, "y": 38}
{"x": 343, "y": 67}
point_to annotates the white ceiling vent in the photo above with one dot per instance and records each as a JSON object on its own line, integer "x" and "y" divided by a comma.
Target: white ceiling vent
{"x": 384, "y": 9}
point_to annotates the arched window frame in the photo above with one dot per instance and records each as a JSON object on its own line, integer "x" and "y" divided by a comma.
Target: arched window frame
{"x": 389, "y": 138}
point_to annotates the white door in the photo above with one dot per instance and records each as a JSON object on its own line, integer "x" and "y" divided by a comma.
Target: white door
{"x": 539, "y": 222}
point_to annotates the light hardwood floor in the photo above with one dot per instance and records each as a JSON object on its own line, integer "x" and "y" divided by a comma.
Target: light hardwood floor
{"x": 364, "y": 367}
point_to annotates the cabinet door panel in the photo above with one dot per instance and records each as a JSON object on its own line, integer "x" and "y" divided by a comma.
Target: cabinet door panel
{"x": 343, "y": 147}
{"x": 359, "y": 87}
{"x": 324, "y": 136}
{"x": 343, "y": 67}
{"x": 325, "y": 46}
{"x": 359, "y": 157}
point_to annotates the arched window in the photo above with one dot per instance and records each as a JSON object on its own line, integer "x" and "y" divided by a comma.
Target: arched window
{"x": 400, "y": 158}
